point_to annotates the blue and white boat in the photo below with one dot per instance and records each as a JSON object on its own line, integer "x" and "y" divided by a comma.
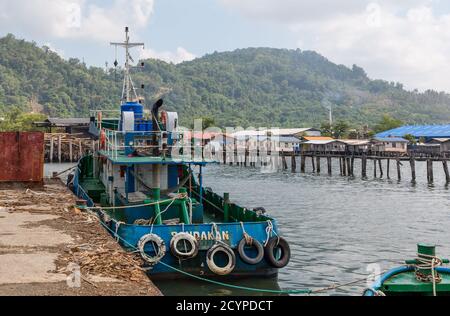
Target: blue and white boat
{"x": 145, "y": 181}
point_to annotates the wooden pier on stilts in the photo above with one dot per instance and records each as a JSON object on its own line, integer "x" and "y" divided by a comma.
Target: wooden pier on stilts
{"x": 382, "y": 163}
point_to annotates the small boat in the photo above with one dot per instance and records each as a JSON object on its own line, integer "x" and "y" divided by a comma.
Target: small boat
{"x": 423, "y": 276}
{"x": 145, "y": 182}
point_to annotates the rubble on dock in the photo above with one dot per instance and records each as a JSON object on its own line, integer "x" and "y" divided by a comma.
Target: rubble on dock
{"x": 43, "y": 237}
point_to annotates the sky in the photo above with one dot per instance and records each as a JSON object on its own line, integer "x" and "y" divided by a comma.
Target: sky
{"x": 405, "y": 41}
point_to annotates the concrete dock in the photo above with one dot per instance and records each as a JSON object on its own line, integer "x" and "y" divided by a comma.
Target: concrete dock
{"x": 49, "y": 247}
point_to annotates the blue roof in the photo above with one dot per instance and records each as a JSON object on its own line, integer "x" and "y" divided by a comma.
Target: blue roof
{"x": 427, "y": 131}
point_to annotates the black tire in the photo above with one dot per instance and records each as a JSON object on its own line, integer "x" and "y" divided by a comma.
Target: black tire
{"x": 283, "y": 245}
{"x": 255, "y": 244}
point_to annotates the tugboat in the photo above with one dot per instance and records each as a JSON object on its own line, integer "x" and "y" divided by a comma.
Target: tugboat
{"x": 423, "y": 276}
{"x": 141, "y": 181}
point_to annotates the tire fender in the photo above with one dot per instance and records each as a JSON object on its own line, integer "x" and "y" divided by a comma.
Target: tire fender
{"x": 274, "y": 243}
{"x": 187, "y": 238}
{"x": 160, "y": 248}
{"x": 219, "y": 247}
{"x": 255, "y": 244}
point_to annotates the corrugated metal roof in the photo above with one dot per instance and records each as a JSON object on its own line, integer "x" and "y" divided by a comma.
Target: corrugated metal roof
{"x": 429, "y": 131}
{"x": 355, "y": 142}
{"x": 320, "y": 142}
{"x": 274, "y": 132}
{"x": 441, "y": 140}
{"x": 287, "y": 139}
{"x": 63, "y": 122}
{"x": 290, "y": 131}
{"x": 391, "y": 139}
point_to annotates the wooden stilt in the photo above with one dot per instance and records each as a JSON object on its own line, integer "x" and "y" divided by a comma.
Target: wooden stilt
{"x": 381, "y": 168}
{"x": 285, "y": 166}
{"x": 353, "y": 166}
{"x": 430, "y": 175}
{"x": 293, "y": 164}
{"x": 388, "y": 168}
{"x": 318, "y": 164}
{"x": 412, "y": 163}
{"x": 70, "y": 151}
{"x": 340, "y": 166}
{"x": 59, "y": 149}
{"x": 364, "y": 166}
{"x": 344, "y": 167}
{"x": 313, "y": 164}
{"x": 52, "y": 149}
{"x": 349, "y": 167}
{"x": 329, "y": 161}
{"x": 302, "y": 164}
{"x": 447, "y": 176}
{"x": 399, "y": 172}
{"x": 374, "y": 168}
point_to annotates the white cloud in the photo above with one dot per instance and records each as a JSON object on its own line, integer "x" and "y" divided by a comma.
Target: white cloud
{"x": 180, "y": 55}
{"x": 74, "y": 18}
{"x": 403, "y": 40}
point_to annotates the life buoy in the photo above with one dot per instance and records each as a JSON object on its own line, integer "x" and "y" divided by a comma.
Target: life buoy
{"x": 254, "y": 244}
{"x": 231, "y": 257}
{"x": 285, "y": 256}
{"x": 190, "y": 252}
{"x": 159, "y": 247}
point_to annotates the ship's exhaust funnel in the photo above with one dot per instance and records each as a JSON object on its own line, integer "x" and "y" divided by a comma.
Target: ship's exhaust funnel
{"x": 156, "y": 107}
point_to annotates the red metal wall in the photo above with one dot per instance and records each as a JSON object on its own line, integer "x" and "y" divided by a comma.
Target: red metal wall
{"x": 22, "y": 157}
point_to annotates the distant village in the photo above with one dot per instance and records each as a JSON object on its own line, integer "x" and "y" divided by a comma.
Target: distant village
{"x": 417, "y": 140}
{"x": 67, "y": 139}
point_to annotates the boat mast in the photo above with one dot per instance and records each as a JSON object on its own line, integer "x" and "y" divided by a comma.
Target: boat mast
{"x": 128, "y": 86}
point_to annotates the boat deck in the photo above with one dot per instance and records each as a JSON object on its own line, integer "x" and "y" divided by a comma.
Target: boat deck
{"x": 406, "y": 283}
{"x": 122, "y": 159}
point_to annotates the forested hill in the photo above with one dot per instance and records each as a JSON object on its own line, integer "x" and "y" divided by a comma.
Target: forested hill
{"x": 247, "y": 87}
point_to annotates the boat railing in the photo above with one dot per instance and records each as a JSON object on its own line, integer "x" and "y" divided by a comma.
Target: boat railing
{"x": 167, "y": 144}
{"x": 105, "y": 114}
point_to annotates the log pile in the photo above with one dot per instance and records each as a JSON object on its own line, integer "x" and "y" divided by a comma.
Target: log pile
{"x": 63, "y": 147}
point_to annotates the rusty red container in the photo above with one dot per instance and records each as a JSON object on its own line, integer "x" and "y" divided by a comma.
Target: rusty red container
{"x": 21, "y": 157}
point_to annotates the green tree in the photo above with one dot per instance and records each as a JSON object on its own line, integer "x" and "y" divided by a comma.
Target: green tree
{"x": 18, "y": 121}
{"x": 340, "y": 129}
{"x": 326, "y": 129}
{"x": 208, "y": 122}
{"x": 386, "y": 123}
{"x": 411, "y": 138}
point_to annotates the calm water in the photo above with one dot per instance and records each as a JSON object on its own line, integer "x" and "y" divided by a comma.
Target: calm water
{"x": 336, "y": 226}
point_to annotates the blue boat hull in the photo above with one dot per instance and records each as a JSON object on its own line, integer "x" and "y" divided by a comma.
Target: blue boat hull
{"x": 128, "y": 235}
{"x": 229, "y": 233}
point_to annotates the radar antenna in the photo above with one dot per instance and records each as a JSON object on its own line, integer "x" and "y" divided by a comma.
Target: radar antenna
{"x": 128, "y": 89}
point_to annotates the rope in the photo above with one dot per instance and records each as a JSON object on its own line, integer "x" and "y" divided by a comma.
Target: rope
{"x": 247, "y": 237}
{"x": 427, "y": 262}
{"x": 179, "y": 197}
{"x": 166, "y": 209}
{"x": 116, "y": 233}
{"x": 269, "y": 231}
